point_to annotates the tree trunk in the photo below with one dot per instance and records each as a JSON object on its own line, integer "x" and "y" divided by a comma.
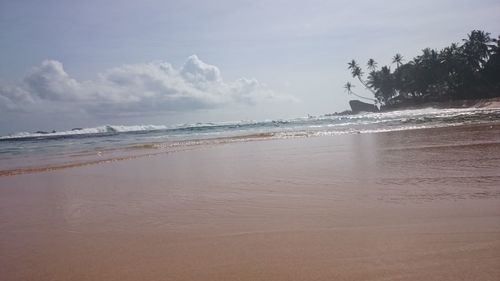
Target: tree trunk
{"x": 366, "y": 86}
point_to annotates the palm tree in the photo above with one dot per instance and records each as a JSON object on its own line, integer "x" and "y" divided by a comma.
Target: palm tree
{"x": 491, "y": 69}
{"x": 477, "y": 48}
{"x": 429, "y": 75}
{"x": 348, "y": 86}
{"x": 352, "y": 64}
{"x": 459, "y": 71}
{"x": 355, "y": 69}
{"x": 397, "y": 59}
{"x": 372, "y": 65}
{"x": 384, "y": 83}
{"x": 357, "y": 72}
{"x": 451, "y": 64}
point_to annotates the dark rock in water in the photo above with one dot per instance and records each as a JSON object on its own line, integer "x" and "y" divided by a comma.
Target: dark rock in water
{"x": 359, "y": 106}
{"x": 76, "y": 129}
{"x": 45, "y": 132}
{"x": 345, "y": 112}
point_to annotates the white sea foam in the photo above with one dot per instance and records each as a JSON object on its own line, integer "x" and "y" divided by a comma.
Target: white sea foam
{"x": 107, "y": 129}
{"x": 373, "y": 122}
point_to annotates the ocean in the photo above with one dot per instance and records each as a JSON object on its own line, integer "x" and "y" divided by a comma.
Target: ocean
{"x": 28, "y": 152}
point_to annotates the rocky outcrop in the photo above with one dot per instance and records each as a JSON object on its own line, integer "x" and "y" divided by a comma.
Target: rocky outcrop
{"x": 359, "y": 106}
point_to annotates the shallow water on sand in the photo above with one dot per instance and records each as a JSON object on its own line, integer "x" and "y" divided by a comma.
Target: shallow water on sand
{"x": 31, "y": 152}
{"x": 407, "y": 205}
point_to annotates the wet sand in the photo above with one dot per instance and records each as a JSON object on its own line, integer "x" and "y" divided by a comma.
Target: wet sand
{"x": 410, "y": 205}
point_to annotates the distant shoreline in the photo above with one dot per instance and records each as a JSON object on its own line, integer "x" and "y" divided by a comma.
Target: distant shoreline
{"x": 472, "y": 103}
{"x": 458, "y": 72}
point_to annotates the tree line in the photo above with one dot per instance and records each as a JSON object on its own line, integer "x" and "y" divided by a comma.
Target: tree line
{"x": 458, "y": 72}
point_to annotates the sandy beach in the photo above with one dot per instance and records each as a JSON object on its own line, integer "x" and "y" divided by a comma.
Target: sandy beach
{"x": 410, "y": 205}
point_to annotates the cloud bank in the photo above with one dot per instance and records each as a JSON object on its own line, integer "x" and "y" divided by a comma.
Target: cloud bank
{"x": 132, "y": 89}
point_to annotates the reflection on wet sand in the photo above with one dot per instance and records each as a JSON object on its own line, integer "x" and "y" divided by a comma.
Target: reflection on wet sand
{"x": 413, "y": 205}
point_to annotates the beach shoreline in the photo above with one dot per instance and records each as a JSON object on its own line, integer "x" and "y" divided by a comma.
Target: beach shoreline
{"x": 487, "y": 103}
{"x": 403, "y": 205}
{"x": 471, "y": 103}
{"x": 15, "y": 167}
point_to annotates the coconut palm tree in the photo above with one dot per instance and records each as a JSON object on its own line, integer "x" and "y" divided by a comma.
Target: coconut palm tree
{"x": 491, "y": 69}
{"x": 384, "y": 84}
{"x": 452, "y": 64}
{"x": 459, "y": 71}
{"x": 357, "y": 72}
{"x": 352, "y": 65}
{"x": 397, "y": 59}
{"x": 348, "y": 86}
{"x": 477, "y": 48}
{"x": 372, "y": 65}
{"x": 355, "y": 69}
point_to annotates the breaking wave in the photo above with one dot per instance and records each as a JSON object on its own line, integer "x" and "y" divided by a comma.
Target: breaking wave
{"x": 76, "y": 132}
{"x": 320, "y": 125}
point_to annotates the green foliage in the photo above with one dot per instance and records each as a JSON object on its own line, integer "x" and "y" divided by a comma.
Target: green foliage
{"x": 467, "y": 71}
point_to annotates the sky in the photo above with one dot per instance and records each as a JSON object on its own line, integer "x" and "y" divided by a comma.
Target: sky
{"x": 67, "y": 64}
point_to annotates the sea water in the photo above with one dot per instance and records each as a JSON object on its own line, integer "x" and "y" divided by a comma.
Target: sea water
{"x": 34, "y": 149}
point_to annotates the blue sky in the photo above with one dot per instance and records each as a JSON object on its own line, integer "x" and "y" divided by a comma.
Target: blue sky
{"x": 86, "y": 63}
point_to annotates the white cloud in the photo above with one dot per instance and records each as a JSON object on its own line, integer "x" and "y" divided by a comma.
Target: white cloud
{"x": 196, "y": 71}
{"x": 133, "y": 89}
{"x": 14, "y": 98}
{"x": 50, "y": 82}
